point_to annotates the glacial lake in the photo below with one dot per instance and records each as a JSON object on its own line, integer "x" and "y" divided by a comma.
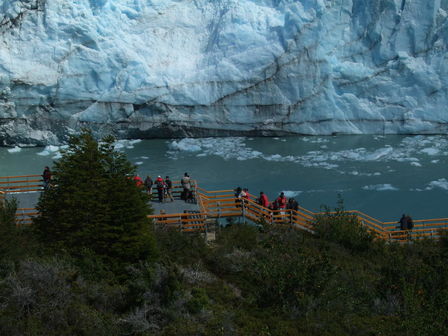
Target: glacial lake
{"x": 383, "y": 176}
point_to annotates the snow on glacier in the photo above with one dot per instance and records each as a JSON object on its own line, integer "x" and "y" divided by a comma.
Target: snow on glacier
{"x": 163, "y": 68}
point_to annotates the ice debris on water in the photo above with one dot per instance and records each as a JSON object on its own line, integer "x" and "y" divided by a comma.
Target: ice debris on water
{"x": 406, "y": 151}
{"x": 441, "y": 183}
{"x": 380, "y": 187}
{"x": 15, "y": 149}
{"x": 48, "y": 150}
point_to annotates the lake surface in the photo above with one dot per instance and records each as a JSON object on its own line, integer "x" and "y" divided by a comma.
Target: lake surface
{"x": 383, "y": 176}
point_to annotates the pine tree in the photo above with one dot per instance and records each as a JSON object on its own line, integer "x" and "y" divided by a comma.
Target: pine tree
{"x": 93, "y": 204}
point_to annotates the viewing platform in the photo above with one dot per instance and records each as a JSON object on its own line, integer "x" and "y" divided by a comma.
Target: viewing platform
{"x": 209, "y": 207}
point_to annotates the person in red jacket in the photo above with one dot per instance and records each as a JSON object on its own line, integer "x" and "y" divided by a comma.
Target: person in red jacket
{"x": 263, "y": 200}
{"x": 138, "y": 181}
{"x": 282, "y": 202}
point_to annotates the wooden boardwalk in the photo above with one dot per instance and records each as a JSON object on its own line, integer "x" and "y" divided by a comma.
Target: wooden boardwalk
{"x": 210, "y": 206}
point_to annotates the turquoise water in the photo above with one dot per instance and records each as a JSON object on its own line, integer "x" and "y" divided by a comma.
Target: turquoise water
{"x": 383, "y": 176}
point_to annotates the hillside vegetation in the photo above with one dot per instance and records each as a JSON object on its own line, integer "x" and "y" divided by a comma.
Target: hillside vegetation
{"x": 89, "y": 266}
{"x": 274, "y": 281}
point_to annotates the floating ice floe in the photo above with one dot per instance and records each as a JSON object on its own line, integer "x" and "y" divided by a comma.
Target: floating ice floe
{"x": 125, "y": 144}
{"x": 48, "y": 150}
{"x": 227, "y": 148}
{"x": 16, "y": 149}
{"x": 236, "y": 148}
{"x": 186, "y": 145}
{"x": 138, "y": 163}
{"x": 430, "y": 151}
{"x": 440, "y": 183}
{"x": 292, "y": 193}
{"x": 380, "y": 187}
{"x": 144, "y": 157}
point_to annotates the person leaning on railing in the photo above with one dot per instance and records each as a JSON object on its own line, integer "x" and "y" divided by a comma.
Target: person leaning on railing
{"x": 46, "y": 175}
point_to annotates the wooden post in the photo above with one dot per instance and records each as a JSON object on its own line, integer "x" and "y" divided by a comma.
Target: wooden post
{"x": 243, "y": 208}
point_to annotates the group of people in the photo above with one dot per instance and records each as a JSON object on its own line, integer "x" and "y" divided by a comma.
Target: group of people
{"x": 164, "y": 187}
{"x": 280, "y": 203}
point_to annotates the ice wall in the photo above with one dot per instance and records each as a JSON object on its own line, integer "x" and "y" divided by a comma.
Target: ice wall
{"x": 159, "y": 68}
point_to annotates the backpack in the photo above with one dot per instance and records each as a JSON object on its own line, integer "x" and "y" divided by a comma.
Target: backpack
{"x": 160, "y": 184}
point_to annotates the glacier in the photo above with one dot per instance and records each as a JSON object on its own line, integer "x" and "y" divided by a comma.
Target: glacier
{"x": 181, "y": 68}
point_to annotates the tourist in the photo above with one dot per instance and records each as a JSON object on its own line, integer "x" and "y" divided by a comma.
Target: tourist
{"x": 281, "y": 200}
{"x": 160, "y": 185}
{"x": 238, "y": 192}
{"x": 263, "y": 200}
{"x": 244, "y": 195}
{"x": 46, "y": 175}
{"x": 138, "y": 181}
{"x": 148, "y": 184}
{"x": 168, "y": 189}
{"x": 186, "y": 185}
{"x": 403, "y": 222}
{"x": 292, "y": 204}
{"x": 410, "y": 222}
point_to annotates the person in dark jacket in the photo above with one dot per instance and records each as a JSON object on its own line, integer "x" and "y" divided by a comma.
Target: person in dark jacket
{"x": 403, "y": 222}
{"x": 148, "y": 184}
{"x": 410, "y": 222}
{"x": 160, "y": 185}
{"x": 292, "y": 204}
{"x": 169, "y": 188}
{"x": 46, "y": 175}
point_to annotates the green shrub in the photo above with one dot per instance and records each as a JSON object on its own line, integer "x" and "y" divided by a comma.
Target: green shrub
{"x": 198, "y": 301}
{"x": 241, "y": 236}
{"x": 343, "y": 228}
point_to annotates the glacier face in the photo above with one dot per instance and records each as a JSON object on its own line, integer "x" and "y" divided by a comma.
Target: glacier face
{"x": 168, "y": 68}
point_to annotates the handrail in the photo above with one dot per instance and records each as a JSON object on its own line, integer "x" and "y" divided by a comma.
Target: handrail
{"x": 223, "y": 203}
{"x": 20, "y": 176}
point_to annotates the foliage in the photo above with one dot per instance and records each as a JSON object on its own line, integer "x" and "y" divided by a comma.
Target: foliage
{"x": 8, "y": 210}
{"x": 343, "y": 228}
{"x": 8, "y": 230}
{"x": 94, "y": 205}
{"x": 278, "y": 281}
{"x": 15, "y": 242}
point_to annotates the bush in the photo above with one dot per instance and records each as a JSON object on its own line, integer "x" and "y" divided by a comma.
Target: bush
{"x": 343, "y": 228}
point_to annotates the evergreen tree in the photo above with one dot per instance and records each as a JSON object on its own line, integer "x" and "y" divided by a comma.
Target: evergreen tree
{"x": 93, "y": 204}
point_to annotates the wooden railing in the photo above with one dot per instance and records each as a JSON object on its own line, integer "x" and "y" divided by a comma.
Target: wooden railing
{"x": 24, "y": 216}
{"x": 186, "y": 222}
{"x": 17, "y": 184}
{"x": 222, "y": 204}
